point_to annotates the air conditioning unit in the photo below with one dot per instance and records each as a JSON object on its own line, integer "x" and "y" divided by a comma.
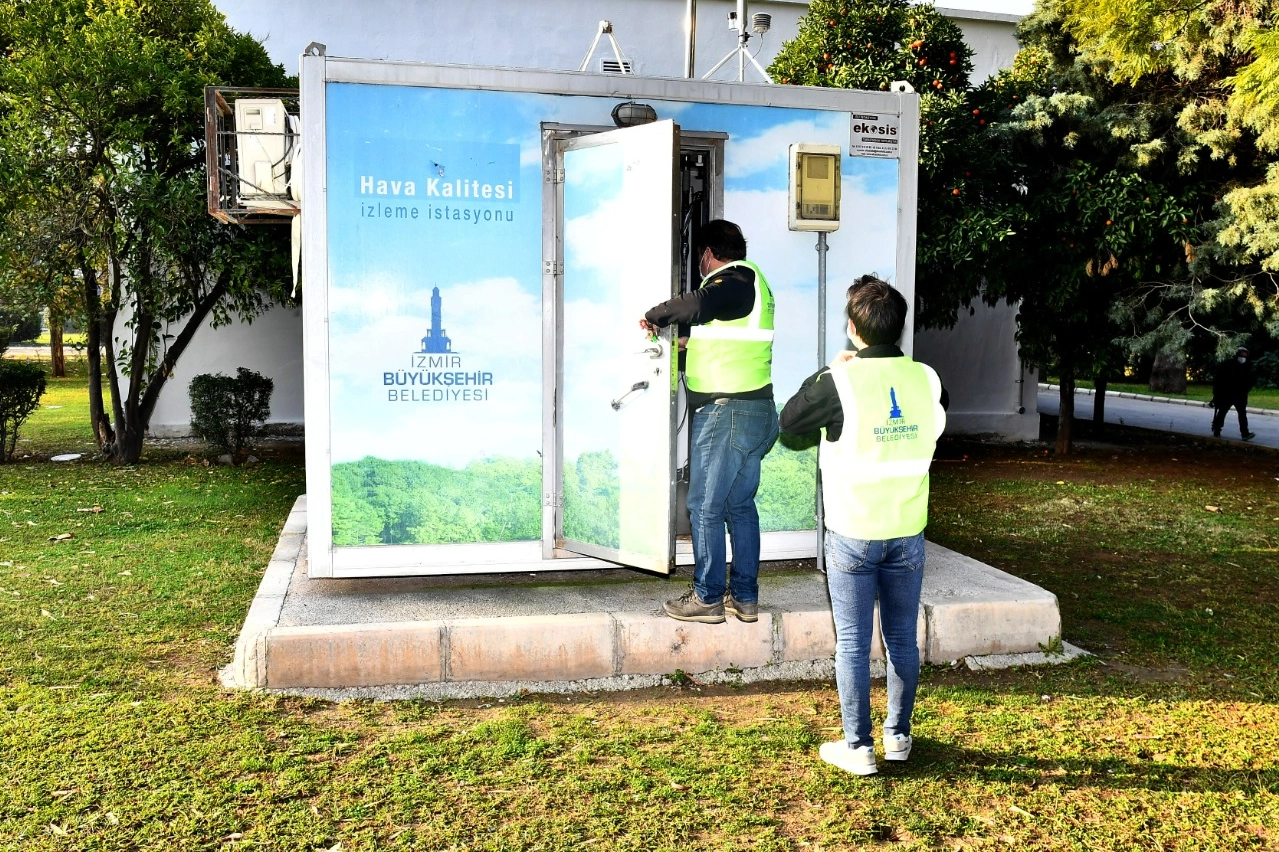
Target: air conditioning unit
{"x": 252, "y": 154}
{"x": 295, "y": 159}
{"x": 264, "y": 139}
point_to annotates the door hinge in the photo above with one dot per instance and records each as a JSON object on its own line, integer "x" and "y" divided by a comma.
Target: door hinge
{"x": 552, "y": 267}
{"x": 553, "y": 176}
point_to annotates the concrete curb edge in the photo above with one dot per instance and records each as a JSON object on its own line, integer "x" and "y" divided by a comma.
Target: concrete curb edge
{"x": 247, "y": 669}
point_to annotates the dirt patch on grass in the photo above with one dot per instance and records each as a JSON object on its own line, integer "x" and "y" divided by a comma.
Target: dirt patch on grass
{"x": 1126, "y": 455}
{"x": 1145, "y": 674}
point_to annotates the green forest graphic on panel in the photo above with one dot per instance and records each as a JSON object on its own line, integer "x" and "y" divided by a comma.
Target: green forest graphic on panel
{"x": 592, "y": 500}
{"x": 409, "y": 502}
{"x": 494, "y": 500}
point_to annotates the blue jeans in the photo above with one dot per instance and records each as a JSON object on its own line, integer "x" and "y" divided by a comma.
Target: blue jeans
{"x": 857, "y": 573}
{"x": 730, "y": 439}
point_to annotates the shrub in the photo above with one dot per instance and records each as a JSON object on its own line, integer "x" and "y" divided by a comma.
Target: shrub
{"x": 1267, "y": 367}
{"x": 21, "y": 386}
{"x": 17, "y": 324}
{"x": 226, "y": 412}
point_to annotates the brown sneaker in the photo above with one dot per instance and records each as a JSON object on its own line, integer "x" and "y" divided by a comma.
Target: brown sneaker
{"x": 744, "y": 611}
{"x": 689, "y": 607}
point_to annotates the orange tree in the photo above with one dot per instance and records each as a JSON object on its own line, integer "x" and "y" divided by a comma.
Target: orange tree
{"x": 868, "y": 44}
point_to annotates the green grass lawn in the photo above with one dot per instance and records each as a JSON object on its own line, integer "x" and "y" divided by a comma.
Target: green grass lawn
{"x": 69, "y": 339}
{"x": 114, "y": 734}
{"x": 61, "y": 423}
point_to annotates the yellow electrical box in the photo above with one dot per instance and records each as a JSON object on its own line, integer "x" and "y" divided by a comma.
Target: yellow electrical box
{"x": 814, "y": 187}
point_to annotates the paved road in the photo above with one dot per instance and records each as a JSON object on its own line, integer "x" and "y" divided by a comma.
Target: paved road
{"x": 25, "y": 351}
{"x": 1193, "y": 419}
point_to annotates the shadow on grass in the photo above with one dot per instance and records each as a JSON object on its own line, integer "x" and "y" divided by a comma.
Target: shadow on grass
{"x": 931, "y": 758}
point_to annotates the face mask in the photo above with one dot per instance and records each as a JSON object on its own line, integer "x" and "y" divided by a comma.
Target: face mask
{"x": 1242, "y": 359}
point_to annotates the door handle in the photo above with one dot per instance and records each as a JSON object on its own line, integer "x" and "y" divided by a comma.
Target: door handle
{"x": 655, "y": 351}
{"x": 638, "y": 386}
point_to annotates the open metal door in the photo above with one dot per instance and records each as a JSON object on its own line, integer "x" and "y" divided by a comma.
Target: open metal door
{"x": 616, "y": 410}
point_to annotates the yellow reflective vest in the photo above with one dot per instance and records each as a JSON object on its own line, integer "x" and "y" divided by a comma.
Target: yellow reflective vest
{"x": 875, "y": 477}
{"x": 732, "y": 356}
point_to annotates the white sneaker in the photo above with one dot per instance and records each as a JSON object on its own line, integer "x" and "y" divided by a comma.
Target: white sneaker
{"x": 859, "y": 760}
{"x": 897, "y": 746}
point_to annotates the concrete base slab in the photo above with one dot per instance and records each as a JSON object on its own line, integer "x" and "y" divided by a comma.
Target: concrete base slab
{"x": 492, "y": 635}
{"x": 993, "y": 662}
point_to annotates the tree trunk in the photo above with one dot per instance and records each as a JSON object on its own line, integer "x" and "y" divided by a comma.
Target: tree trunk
{"x": 57, "y": 357}
{"x": 107, "y": 321}
{"x": 134, "y": 416}
{"x": 127, "y": 448}
{"x": 102, "y": 432}
{"x": 1066, "y": 412}
{"x": 1169, "y": 373}
{"x": 124, "y": 448}
{"x": 131, "y": 426}
{"x": 1099, "y": 407}
{"x": 101, "y": 341}
{"x": 164, "y": 369}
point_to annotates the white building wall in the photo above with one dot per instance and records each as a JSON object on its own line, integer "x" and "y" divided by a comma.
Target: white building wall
{"x": 556, "y": 36}
{"x": 978, "y": 359}
{"x": 507, "y": 33}
{"x": 271, "y": 345}
{"x": 991, "y": 37}
{"x": 990, "y": 392}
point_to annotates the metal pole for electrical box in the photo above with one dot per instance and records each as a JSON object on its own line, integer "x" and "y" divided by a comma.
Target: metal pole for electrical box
{"x": 821, "y": 362}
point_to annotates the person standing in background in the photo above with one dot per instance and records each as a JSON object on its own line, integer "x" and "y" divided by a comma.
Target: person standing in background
{"x": 1230, "y": 388}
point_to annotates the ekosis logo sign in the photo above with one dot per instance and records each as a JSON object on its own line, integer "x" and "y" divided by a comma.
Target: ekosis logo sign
{"x": 873, "y": 135}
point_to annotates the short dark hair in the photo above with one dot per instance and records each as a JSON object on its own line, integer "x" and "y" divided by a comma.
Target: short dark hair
{"x": 877, "y": 310}
{"x": 723, "y": 238}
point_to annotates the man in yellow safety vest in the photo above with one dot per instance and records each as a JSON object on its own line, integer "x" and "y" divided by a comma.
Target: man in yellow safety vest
{"x": 881, "y": 414}
{"x": 728, "y": 376}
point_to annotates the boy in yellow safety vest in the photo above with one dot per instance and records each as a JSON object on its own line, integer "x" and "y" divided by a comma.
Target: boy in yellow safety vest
{"x": 881, "y": 414}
